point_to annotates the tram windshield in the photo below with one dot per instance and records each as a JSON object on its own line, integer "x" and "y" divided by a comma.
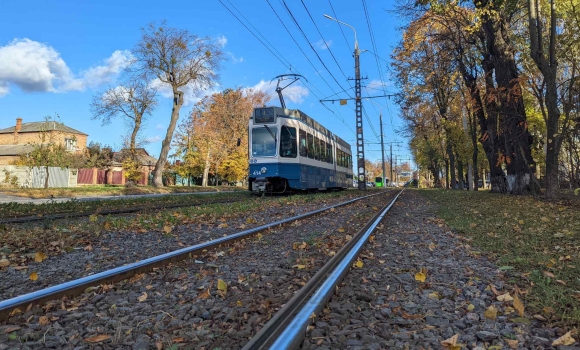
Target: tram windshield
{"x": 263, "y": 144}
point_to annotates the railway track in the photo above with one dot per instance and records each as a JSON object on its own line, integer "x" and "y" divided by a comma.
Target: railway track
{"x": 21, "y": 219}
{"x": 75, "y": 287}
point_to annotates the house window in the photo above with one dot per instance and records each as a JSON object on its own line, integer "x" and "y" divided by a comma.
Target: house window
{"x": 70, "y": 144}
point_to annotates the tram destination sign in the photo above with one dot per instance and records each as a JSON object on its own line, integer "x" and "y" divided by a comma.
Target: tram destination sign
{"x": 264, "y": 116}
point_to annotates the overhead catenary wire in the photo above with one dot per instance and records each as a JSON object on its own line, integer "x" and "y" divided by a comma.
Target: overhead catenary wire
{"x": 309, "y": 43}
{"x": 325, "y": 42}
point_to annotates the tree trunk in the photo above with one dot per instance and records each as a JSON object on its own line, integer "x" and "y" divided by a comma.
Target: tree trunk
{"x": 461, "y": 173}
{"x": 205, "y": 171}
{"x": 136, "y": 127}
{"x": 46, "y": 178}
{"x": 452, "y": 177}
{"x": 515, "y": 139}
{"x": 166, "y": 144}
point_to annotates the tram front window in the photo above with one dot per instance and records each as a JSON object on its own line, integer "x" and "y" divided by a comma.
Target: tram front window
{"x": 264, "y": 141}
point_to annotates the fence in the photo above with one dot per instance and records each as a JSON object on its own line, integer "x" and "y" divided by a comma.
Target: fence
{"x": 96, "y": 176}
{"x": 35, "y": 177}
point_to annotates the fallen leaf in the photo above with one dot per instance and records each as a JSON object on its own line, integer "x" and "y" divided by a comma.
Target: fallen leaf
{"x": 39, "y": 256}
{"x": 340, "y": 229}
{"x": 434, "y": 296}
{"x": 89, "y": 248}
{"x": 451, "y": 343}
{"x": 239, "y": 303}
{"x": 4, "y": 262}
{"x": 43, "y": 320}
{"x": 222, "y": 286}
{"x": 505, "y": 297}
{"x": 566, "y": 339}
{"x": 432, "y": 246}
{"x": 11, "y": 329}
{"x": 512, "y": 343}
{"x": 519, "y": 306}
{"x": 98, "y": 338}
{"x": 382, "y": 261}
{"x": 92, "y": 218}
{"x": 348, "y": 237}
{"x": 561, "y": 282}
{"x": 205, "y": 293}
{"x": 490, "y": 313}
{"x": 299, "y": 267}
{"x": 549, "y": 274}
{"x": 167, "y": 229}
{"x": 422, "y": 275}
{"x": 224, "y": 225}
{"x": 359, "y": 263}
{"x": 179, "y": 340}
{"x": 33, "y": 276}
{"x": 409, "y": 316}
{"x": 143, "y": 297}
{"x": 470, "y": 307}
{"x": 136, "y": 278}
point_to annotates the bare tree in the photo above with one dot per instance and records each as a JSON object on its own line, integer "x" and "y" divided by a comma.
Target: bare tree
{"x": 134, "y": 99}
{"x": 180, "y": 60}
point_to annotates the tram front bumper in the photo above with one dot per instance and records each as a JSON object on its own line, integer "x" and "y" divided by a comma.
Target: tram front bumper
{"x": 259, "y": 185}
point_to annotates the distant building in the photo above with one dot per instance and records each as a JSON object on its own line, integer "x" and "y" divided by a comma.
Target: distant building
{"x": 16, "y": 140}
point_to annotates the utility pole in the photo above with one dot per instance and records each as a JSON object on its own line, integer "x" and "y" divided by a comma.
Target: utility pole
{"x": 391, "y": 147}
{"x": 382, "y": 149}
{"x": 360, "y": 148}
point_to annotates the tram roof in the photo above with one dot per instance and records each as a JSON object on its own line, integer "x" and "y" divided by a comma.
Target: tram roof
{"x": 306, "y": 119}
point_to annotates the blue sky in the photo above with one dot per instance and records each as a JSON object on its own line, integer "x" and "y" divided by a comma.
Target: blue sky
{"x": 56, "y": 55}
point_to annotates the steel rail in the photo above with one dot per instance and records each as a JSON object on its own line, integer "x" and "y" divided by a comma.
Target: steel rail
{"x": 287, "y": 328}
{"x": 78, "y": 286}
{"x": 32, "y": 218}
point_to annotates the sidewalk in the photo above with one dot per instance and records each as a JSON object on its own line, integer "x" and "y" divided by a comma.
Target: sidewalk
{"x": 4, "y": 198}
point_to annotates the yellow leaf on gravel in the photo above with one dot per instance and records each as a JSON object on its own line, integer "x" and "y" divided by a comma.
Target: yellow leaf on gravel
{"x": 359, "y": 263}
{"x": 420, "y": 276}
{"x": 340, "y": 229}
{"x": 451, "y": 343}
{"x": 92, "y": 218}
{"x": 239, "y": 303}
{"x": 98, "y": 338}
{"x": 434, "y": 296}
{"x": 470, "y": 307}
{"x": 490, "y": 313}
{"x": 33, "y": 276}
{"x": 512, "y": 343}
{"x": 566, "y": 339}
{"x": 382, "y": 261}
{"x": 222, "y": 286}
{"x": 299, "y": 267}
{"x": 205, "y": 294}
{"x": 224, "y": 225}
{"x": 519, "y": 306}
{"x": 432, "y": 246}
{"x": 4, "y": 262}
{"x": 39, "y": 256}
{"x": 43, "y": 320}
{"x": 167, "y": 229}
{"x": 143, "y": 297}
{"x": 505, "y": 297}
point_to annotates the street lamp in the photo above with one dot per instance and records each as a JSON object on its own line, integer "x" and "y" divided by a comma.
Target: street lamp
{"x": 362, "y": 182}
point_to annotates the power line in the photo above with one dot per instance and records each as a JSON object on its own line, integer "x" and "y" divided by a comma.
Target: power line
{"x": 309, "y": 43}
{"x": 373, "y": 44}
{"x": 325, "y": 43}
{"x": 339, "y": 26}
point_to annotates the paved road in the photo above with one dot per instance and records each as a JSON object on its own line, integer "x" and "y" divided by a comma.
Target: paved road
{"x": 4, "y": 198}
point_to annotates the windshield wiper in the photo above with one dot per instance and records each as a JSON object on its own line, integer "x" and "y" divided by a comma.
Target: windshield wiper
{"x": 271, "y": 133}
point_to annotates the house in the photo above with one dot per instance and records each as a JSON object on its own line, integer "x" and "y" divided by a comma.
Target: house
{"x": 16, "y": 140}
{"x": 146, "y": 163}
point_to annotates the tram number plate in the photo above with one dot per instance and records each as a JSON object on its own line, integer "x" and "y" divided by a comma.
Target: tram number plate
{"x": 253, "y": 161}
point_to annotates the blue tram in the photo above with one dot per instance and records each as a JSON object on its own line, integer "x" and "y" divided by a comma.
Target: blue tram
{"x": 289, "y": 152}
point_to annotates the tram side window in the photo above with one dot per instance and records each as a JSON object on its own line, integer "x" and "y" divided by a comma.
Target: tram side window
{"x": 303, "y": 148}
{"x": 338, "y": 157}
{"x": 288, "y": 142}
{"x": 310, "y": 149}
{"x": 317, "y": 146}
{"x": 328, "y": 153}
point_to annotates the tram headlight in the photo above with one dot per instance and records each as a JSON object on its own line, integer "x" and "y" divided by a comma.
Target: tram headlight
{"x": 263, "y": 170}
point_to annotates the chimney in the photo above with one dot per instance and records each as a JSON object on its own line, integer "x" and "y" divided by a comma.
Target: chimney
{"x": 17, "y": 129}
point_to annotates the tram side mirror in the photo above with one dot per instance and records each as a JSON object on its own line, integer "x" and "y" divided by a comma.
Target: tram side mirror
{"x": 239, "y": 142}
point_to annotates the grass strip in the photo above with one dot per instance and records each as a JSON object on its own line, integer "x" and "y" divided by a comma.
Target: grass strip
{"x": 536, "y": 242}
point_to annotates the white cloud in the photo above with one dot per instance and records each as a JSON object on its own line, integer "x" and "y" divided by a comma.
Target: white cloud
{"x": 295, "y": 93}
{"x": 222, "y": 40}
{"x": 376, "y": 84}
{"x": 241, "y": 59}
{"x": 321, "y": 45}
{"x": 36, "y": 67}
{"x": 159, "y": 127}
{"x": 152, "y": 139}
